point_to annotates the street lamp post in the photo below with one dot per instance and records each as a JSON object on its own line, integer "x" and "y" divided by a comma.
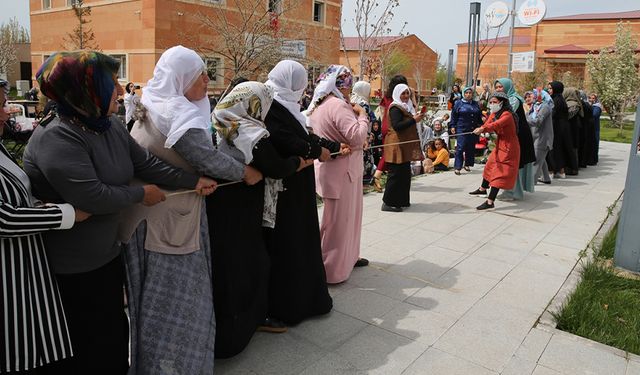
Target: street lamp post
{"x": 510, "y": 54}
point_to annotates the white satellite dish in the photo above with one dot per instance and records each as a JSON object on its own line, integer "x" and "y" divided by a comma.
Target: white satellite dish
{"x": 496, "y": 14}
{"x": 532, "y": 12}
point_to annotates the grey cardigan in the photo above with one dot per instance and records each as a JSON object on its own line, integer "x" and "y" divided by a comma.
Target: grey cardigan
{"x": 92, "y": 172}
{"x": 542, "y": 128}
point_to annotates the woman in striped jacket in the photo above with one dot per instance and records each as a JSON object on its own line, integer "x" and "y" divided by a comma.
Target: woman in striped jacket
{"x": 33, "y": 328}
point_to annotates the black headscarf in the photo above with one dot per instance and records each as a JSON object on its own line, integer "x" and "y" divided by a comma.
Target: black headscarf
{"x": 559, "y": 104}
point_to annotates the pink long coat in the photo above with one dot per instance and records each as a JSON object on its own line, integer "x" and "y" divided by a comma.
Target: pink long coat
{"x": 502, "y": 166}
{"x": 339, "y": 183}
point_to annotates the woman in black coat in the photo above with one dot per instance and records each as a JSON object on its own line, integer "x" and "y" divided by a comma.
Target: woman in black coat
{"x": 297, "y": 280}
{"x": 562, "y": 156}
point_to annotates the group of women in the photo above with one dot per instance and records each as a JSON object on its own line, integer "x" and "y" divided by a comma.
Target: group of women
{"x": 202, "y": 274}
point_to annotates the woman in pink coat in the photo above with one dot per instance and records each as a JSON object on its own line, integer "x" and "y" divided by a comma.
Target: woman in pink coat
{"x": 339, "y": 180}
{"x": 501, "y": 170}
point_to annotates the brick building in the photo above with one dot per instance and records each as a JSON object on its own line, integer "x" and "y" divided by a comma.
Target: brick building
{"x": 138, "y": 31}
{"x": 561, "y": 44}
{"x": 420, "y": 69}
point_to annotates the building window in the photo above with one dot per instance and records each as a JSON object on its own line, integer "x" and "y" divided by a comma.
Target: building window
{"x": 275, "y": 6}
{"x": 122, "y": 72}
{"x": 46, "y": 4}
{"x": 214, "y": 65}
{"x": 318, "y": 11}
{"x": 71, "y": 3}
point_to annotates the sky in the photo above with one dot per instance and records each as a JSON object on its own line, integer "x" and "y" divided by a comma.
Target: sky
{"x": 441, "y": 24}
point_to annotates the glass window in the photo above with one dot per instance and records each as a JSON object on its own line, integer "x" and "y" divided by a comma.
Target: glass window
{"x": 122, "y": 73}
{"x": 275, "y": 6}
{"x": 46, "y": 4}
{"x": 213, "y": 67}
{"x": 318, "y": 11}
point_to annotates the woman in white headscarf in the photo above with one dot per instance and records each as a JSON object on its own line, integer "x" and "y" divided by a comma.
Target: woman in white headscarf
{"x": 237, "y": 215}
{"x": 297, "y": 281}
{"x": 339, "y": 181}
{"x": 169, "y": 256}
{"x": 403, "y": 120}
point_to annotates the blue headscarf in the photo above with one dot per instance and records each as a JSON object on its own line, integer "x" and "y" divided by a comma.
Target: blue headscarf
{"x": 514, "y": 98}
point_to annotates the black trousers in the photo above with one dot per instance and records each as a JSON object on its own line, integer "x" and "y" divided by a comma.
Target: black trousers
{"x": 396, "y": 192}
{"x": 94, "y": 305}
{"x": 493, "y": 193}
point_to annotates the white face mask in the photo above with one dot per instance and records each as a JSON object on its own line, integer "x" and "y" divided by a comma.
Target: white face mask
{"x": 495, "y": 107}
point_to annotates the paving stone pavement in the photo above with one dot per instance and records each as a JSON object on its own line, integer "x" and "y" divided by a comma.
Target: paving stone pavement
{"x": 454, "y": 291}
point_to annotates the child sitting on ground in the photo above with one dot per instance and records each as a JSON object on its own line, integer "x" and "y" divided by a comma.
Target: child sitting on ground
{"x": 437, "y": 157}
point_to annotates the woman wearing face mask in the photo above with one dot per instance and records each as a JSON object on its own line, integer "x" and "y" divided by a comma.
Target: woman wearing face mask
{"x": 597, "y": 112}
{"x": 403, "y": 120}
{"x": 501, "y": 170}
{"x": 465, "y": 117}
{"x": 526, "y": 173}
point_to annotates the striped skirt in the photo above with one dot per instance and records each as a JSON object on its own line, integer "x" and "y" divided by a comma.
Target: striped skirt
{"x": 34, "y": 328}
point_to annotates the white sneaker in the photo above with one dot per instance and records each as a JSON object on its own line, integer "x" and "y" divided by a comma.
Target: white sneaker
{"x": 559, "y": 175}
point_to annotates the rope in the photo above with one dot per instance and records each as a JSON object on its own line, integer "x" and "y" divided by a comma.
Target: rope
{"x": 194, "y": 190}
{"x": 398, "y": 143}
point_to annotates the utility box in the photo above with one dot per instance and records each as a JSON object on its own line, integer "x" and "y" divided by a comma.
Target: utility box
{"x": 627, "y": 253}
{"x": 23, "y": 87}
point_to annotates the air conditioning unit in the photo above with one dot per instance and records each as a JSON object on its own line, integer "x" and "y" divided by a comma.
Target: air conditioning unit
{"x": 22, "y": 86}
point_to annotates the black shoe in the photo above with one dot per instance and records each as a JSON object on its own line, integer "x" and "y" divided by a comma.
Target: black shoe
{"x": 479, "y": 193}
{"x": 407, "y": 206}
{"x": 485, "y": 206}
{"x": 362, "y": 262}
{"x": 390, "y": 208}
{"x": 457, "y": 172}
{"x": 466, "y": 168}
{"x": 272, "y": 325}
{"x": 544, "y": 182}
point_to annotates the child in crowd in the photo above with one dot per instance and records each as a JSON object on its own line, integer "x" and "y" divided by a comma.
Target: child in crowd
{"x": 437, "y": 156}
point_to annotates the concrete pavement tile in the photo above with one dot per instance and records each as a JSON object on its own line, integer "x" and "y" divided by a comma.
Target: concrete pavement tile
{"x": 329, "y": 331}
{"x": 369, "y": 237}
{"x": 541, "y": 370}
{"x": 442, "y": 301}
{"x": 492, "y": 269}
{"x": 510, "y": 240}
{"x": 563, "y": 238}
{"x": 411, "y": 240}
{"x": 459, "y": 244}
{"x": 336, "y": 289}
{"x": 518, "y": 366}
{"x": 378, "y": 351}
{"x": 415, "y": 323}
{"x": 579, "y": 356}
{"x": 380, "y": 254}
{"x": 533, "y": 345}
{"x": 390, "y": 284}
{"x": 502, "y": 254}
{"x": 435, "y": 361}
{"x": 427, "y": 264}
{"x": 548, "y": 264}
{"x": 633, "y": 368}
{"x": 526, "y": 289}
{"x": 386, "y": 225}
{"x": 272, "y": 354}
{"x": 488, "y": 334}
{"x": 364, "y": 305}
{"x": 333, "y": 364}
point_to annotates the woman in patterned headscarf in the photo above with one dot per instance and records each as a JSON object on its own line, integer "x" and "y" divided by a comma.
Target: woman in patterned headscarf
{"x": 237, "y": 213}
{"x": 86, "y": 157}
{"x": 339, "y": 181}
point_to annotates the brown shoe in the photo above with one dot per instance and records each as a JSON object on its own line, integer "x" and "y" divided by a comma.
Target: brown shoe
{"x": 272, "y": 325}
{"x": 377, "y": 186}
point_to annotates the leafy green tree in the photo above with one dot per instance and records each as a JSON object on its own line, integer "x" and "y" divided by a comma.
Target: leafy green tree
{"x": 614, "y": 75}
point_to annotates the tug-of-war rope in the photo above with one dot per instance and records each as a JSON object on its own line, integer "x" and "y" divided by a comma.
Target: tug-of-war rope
{"x": 332, "y": 154}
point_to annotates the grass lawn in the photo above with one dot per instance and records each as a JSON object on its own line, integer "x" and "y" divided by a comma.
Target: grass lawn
{"x": 607, "y": 133}
{"x": 604, "y": 306}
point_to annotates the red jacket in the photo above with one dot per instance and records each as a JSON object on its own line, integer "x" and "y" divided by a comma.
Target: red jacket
{"x": 502, "y": 166}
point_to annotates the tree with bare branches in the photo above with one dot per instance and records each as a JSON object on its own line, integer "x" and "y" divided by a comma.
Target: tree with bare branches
{"x": 253, "y": 39}
{"x": 11, "y": 33}
{"x": 82, "y": 36}
{"x": 485, "y": 45}
{"x": 372, "y": 21}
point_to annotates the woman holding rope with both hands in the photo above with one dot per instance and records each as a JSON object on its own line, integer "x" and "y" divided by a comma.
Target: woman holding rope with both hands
{"x": 501, "y": 170}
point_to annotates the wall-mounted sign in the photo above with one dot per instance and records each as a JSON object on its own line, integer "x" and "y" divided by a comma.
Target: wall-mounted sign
{"x": 532, "y": 12}
{"x": 523, "y": 62}
{"x": 496, "y": 14}
{"x": 294, "y": 48}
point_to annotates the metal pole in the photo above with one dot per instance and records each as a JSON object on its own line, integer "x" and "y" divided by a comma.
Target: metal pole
{"x": 449, "y": 72}
{"x": 510, "y": 55}
{"x": 477, "y": 48}
{"x": 466, "y": 76}
{"x": 473, "y": 55}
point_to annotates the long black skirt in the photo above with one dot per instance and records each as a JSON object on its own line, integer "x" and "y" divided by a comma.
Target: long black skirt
{"x": 297, "y": 283}
{"x": 396, "y": 193}
{"x": 240, "y": 265}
